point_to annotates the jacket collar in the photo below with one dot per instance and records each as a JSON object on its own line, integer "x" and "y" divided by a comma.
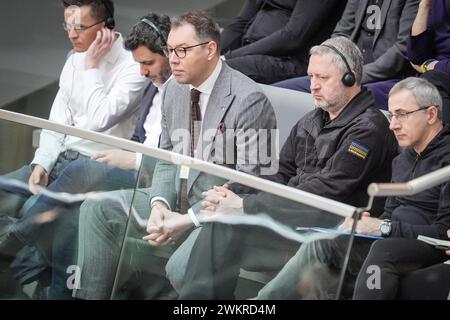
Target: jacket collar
{"x": 354, "y": 108}
{"x": 436, "y": 143}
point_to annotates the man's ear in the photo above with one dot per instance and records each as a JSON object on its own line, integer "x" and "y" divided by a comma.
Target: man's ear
{"x": 433, "y": 112}
{"x": 212, "y": 49}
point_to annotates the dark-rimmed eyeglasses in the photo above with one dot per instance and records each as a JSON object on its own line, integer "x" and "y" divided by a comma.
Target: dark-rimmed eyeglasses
{"x": 403, "y": 115}
{"x": 78, "y": 27}
{"x": 181, "y": 52}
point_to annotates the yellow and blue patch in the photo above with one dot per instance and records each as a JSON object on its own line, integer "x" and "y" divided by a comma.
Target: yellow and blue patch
{"x": 358, "y": 150}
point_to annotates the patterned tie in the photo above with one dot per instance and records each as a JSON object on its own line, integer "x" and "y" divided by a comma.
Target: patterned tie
{"x": 196, "y": 118}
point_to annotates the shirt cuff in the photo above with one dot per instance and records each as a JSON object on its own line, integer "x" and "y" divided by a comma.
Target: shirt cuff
{"x": 44, "y": 162}
{"x": 154, "y": 199}
{"x": 137, "y": 165}
{"x": 194, "y": 218}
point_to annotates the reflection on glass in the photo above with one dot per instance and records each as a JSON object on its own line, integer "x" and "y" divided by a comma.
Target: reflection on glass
{"x": 240, "y": 246}
{"x": 39, "y": 222}
{"x": 88, "y": 235}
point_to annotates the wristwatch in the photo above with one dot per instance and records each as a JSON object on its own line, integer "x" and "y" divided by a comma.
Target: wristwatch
{"x": 385, "y": 227}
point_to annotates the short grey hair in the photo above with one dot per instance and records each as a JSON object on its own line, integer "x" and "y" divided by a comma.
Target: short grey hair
{"x": 348, "y": 49}
{"x": 425, "y": 93}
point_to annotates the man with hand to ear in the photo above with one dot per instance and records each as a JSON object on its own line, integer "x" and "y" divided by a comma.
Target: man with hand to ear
{"x": 100, "y": 89}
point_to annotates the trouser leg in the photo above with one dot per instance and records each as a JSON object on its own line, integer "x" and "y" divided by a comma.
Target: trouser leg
{"x": 388, "y": 261}
{"x": 313, "y": 273}
{"x": 12, "y": 199}
{"x": 268, "y": 69}
{"x": 221, "y": 250}
{"x": 102, "y": 228}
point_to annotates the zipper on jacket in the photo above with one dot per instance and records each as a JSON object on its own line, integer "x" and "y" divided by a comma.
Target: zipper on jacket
{"x": 416, "y": 160}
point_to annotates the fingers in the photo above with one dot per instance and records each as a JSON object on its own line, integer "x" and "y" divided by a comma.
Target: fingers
{"x": 107, "y": 38}
{"x": 366, "y": 214}
{"x": 35, "y": 178}
{"x": 34, "y": 181}
{"x": 101, "y": 158}
{"x": 34, "y": 189}
{"x": 222, "y": 190}
{"x": 98, "y": 155}
{"x": 214, "y": 193}
{"x": 154, "y": 229}
{"x": 206, "y": 205}
{"x": 158, "y": 239}
{"x": 212, "y": 200}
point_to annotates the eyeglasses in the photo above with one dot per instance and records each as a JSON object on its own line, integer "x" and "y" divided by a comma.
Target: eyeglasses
{"x": 78, "y": 27}
{"x": 403, "y": 115}
{"x": 181, "y": 52}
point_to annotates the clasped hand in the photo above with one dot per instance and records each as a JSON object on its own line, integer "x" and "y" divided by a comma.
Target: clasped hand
{"x": 220, "y": 200}
{"x": 165, "y": 227}
{"x": 366, "y": 225}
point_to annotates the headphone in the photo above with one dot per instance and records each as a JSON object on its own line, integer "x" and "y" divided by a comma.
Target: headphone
{"x": 110, "y": 23}
{"x": 348, "y": 79}
{"x": 155, "y": 28}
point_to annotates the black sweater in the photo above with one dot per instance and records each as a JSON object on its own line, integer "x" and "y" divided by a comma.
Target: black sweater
{"x": 428, "y": 212}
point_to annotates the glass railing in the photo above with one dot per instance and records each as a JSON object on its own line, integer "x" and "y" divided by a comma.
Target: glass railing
{"x": 87, "y": 235}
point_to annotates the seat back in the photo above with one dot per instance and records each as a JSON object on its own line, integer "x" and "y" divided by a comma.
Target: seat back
{"x": 289, "y": 107}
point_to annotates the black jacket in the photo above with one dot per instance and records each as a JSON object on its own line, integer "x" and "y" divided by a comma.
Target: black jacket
{"x": 389, "y": 42}
{"x": 280, "y": 28}
{"x": 336, "y": 159}
{"x": 426, "y": 213}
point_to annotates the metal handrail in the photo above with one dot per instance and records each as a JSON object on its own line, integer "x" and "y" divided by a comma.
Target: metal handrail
{"x": 277, "y": 189}
{"x": 412, "y": 187}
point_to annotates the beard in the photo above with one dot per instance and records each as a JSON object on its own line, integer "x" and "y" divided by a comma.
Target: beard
{"x": 332, "y": 105}
{"x": 164, "y": 75}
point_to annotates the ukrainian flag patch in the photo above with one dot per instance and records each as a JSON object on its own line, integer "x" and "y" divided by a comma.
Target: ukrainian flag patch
{"x": 358, "y": 150}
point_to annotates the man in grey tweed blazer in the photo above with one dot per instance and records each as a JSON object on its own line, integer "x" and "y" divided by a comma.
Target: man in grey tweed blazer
{"x": 233, "y": 113}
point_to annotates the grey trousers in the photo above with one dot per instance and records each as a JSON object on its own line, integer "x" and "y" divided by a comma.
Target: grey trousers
{"x": 102, "y": 231}
{"x": 102, "y": 228}
{"x": 313, "y": 272}
{"x": 177, "y": 265}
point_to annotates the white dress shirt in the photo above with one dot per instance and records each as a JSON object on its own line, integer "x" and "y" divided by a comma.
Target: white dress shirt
{"x": 152, "y": 124}
{"x": 104, "y": 100}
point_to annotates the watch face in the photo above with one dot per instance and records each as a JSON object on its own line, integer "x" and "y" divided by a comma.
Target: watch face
{"x": 385, "y": 228}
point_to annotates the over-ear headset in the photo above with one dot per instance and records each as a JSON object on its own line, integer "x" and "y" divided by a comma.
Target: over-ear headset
{"x": 348, "y": 79}
{"x": 155, "y": 28}
{"x": 110, "y": 23}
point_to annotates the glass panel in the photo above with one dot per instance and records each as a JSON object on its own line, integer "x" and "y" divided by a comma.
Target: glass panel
{"x": 236, "y": 252}
{"x": 74, "y": 239}
{"x": 39, "y": 227}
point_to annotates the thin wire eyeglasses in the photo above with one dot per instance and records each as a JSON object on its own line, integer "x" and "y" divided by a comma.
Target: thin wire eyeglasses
{"x": 181, "y": 52}
{"x": 78, "y": 27}
{"x": 403, "y": 115}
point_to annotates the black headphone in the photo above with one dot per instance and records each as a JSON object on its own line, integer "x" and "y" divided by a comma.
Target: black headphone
{"x": 348, "y": 79}
{"x": 155, "y": 28}
{"x": 110, "y": 23}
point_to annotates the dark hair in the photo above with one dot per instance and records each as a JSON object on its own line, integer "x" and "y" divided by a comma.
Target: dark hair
{"x": 143, "y": 34}
{"x": 100, "y": 9}
{"x": 205, "y": 27}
